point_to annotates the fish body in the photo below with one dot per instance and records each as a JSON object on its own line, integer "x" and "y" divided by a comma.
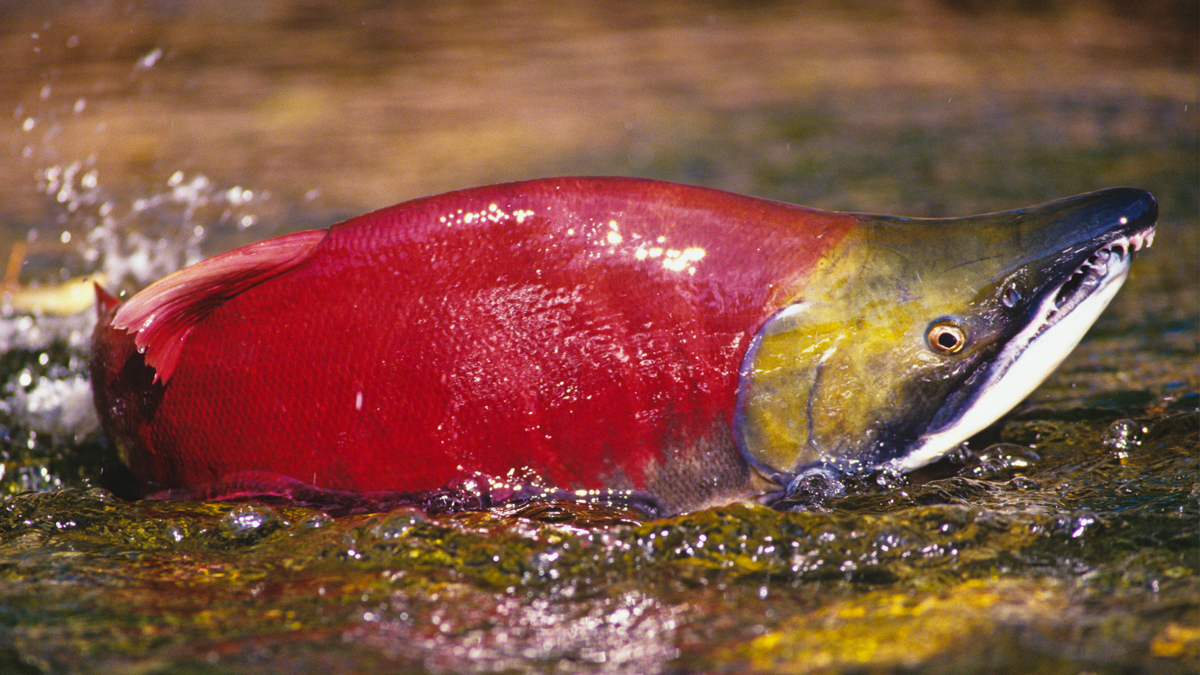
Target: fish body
{"x": 684, "y": 344}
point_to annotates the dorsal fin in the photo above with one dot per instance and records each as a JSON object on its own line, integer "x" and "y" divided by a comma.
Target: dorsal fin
{"x": 163, "y": 314}
{"x": 105, "y": 301}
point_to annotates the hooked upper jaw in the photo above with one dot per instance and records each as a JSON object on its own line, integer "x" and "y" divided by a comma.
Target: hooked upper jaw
{"x": 1063, "y": 315}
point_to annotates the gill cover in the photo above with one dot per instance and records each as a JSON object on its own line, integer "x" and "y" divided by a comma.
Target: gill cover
{"x": 914, "y": 334}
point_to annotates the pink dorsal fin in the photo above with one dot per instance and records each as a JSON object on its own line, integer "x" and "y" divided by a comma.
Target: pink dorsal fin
{"x": 162, "y": 315}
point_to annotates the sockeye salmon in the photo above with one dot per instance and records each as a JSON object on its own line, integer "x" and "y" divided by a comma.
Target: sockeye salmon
{"x": 603, "y": 338}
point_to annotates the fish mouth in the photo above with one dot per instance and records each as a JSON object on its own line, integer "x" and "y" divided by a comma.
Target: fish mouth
{"x": 1107, "y": 264}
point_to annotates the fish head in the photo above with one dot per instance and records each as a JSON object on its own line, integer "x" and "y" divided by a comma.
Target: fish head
{"x": 915, "y": 334}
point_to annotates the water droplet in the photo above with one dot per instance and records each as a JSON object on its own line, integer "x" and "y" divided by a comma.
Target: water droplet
{"x": 150, "y": 59}
{"x": 316, "y": 521}
{"x": 1122, "y": 436}
{"x": 815, "y": 485}
{"x": 1080, "y": 523}
{"x": 1002, "y": 460}
{"x": 398, "y": 523}
{"x": 1024, "y": 483}
{"x": 250, "y": 522}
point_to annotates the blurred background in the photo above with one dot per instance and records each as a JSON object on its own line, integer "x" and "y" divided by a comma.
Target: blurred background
{"x": 252, "y": 118}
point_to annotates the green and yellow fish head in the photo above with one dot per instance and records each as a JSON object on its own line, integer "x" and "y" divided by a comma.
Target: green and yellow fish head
{"x": 915, "y": 334}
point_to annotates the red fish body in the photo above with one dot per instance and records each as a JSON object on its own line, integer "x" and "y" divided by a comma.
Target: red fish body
{"x": 667, "y": 343}
{"x": 589, "y": 330}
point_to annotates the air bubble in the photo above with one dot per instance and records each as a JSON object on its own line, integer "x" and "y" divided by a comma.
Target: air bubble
{"x": 398, "y": 524}
{"x": 1122, "y": 436}
{"x": 316, "y": 521}
{"x": 250, "y": 522}
{"x": 1002, "y": 461}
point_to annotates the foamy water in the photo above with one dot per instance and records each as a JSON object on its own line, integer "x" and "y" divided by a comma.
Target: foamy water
{"x": 93, "y": 234}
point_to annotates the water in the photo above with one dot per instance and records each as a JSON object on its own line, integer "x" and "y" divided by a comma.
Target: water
{"x": 147, "y": 136}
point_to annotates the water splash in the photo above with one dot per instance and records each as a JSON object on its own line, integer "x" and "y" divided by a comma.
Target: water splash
{"x": 88, "y": 230}
{"x": 137, "y": 241}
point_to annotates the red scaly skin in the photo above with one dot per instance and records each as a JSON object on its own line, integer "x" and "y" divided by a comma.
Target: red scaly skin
{"x": 570, "y": 326}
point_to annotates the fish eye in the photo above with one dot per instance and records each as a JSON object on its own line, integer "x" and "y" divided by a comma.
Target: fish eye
{"x": 946, "y": 337}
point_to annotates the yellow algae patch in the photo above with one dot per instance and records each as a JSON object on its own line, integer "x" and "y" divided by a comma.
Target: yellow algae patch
{"x": 895, "y": 630}
{"x": 1176, "y": 640}
{"x": 70, "y": 297}
{"x": 63, "y": 299}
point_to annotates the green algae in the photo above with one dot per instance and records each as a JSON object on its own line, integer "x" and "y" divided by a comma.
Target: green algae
{"x": 784, "y": 592}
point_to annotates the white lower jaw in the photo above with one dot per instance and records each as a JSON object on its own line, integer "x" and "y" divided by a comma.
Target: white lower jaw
{"x": 1031, "y": 356}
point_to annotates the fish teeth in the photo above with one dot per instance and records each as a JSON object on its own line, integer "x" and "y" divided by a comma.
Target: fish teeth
{"x": 1139, "y": 240}
{"x": 1099, "y": 262}
{"x": 1142, "y": 238}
